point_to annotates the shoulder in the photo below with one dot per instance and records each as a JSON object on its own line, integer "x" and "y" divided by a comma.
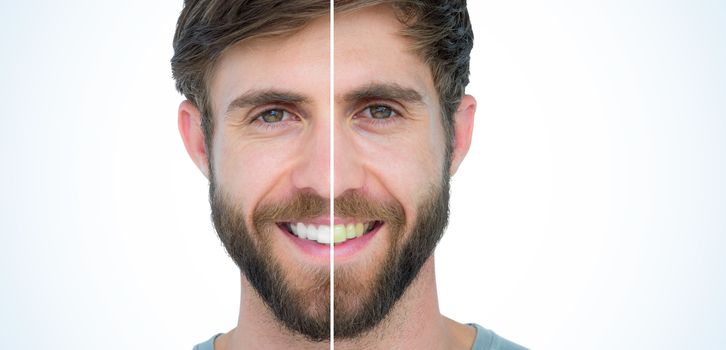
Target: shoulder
{"x": 207, "y": 345}
{"x": 488, "y": 340}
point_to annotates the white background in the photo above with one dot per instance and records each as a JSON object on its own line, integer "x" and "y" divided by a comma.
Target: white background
{"x": 589, "y": 214}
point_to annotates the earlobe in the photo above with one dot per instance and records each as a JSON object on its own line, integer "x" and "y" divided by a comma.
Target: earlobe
{"x": 190, "y": 128}
{"x": 463, "y": 128}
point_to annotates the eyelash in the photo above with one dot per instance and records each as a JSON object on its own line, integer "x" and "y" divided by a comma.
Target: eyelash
{"x": 396, "y": 115}
{"x": 259, "y": 123}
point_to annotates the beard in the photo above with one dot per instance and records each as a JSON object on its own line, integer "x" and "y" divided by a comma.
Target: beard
{"x": 302, "y": 305}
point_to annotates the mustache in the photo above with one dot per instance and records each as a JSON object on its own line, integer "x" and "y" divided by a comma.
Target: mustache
{"x": 350, "y": 204}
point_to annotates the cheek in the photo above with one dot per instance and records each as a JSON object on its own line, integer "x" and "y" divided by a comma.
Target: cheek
{"x": 250, "y": 170}
{"x": 404, "y": 166}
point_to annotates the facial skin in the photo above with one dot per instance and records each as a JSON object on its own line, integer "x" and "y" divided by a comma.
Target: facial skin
{"x": 398, "y": 157}
{"x": 257, "y": 163}
{"x": 391, "y": 170}
{"x": 389, "y": 147}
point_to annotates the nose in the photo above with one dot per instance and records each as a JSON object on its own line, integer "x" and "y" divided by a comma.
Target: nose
{"x": 312, "y": 170}
{"x": 348, "y": 172}
{"x": 313, "y": 166}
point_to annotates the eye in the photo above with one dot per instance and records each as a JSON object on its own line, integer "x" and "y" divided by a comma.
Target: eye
{"x": 379, "y": 112}
{"x": 274, "y": 115}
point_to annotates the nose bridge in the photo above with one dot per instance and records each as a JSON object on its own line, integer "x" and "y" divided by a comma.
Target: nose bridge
{"x": 313, "y": 165}
{"x": 347, "y": 170}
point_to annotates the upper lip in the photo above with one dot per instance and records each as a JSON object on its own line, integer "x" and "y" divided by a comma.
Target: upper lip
{"x": 325, "y": 220}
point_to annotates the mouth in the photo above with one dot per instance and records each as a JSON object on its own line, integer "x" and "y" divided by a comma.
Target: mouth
{"x": 321, "y": 233}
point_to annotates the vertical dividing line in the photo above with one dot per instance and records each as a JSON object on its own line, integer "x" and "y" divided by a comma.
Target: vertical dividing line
{"x": 332, "y": 179}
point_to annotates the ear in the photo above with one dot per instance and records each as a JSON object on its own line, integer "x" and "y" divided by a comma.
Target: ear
{"x": 190, "y": 128}
{"x": 463, "y": 127}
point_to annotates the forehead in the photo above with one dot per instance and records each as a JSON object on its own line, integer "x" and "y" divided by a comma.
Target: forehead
{"x": 292, "y": 62}
{"x": 369, "y": 47}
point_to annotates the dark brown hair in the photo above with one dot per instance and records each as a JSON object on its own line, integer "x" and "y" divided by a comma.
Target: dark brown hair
{"x": 440, "y": 32}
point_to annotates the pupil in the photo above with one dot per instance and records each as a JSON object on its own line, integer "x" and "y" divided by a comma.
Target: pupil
{"x": 381, "y": 112}
{"x": 272, "y": 116}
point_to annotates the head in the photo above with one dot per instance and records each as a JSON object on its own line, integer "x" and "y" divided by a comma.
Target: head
{"x": 257, "y": 123}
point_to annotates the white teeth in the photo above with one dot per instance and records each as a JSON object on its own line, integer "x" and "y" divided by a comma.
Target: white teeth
{"x": 300, "y": 230}
{"x": 324, "y": 234}
{"x": 321, "y": 233}
{"x": 312, "y": 233}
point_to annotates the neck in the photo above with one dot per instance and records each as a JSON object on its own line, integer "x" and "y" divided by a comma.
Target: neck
{"x": 414, "y": 322}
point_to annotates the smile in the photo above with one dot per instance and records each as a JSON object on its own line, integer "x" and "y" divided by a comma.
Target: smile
{"x": 321, "y": 233}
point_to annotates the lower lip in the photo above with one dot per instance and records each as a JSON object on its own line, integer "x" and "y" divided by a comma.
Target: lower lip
{"x": 342, "y": 251}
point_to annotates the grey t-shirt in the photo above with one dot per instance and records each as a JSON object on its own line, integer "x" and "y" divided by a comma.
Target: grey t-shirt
{"x": 485, "y": 340}
{"x": 488, "y": 340}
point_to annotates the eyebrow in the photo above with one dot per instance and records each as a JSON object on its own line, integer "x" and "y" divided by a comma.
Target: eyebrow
{"x": 261, "y": 97}
{"x": 384, "y": 91}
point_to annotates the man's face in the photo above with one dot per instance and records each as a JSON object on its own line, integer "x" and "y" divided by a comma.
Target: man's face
{"x": 389, "y": 148}
{"x": 270, "y": 169}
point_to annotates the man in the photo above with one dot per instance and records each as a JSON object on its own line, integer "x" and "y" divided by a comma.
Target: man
{"x": 257, "y": 122}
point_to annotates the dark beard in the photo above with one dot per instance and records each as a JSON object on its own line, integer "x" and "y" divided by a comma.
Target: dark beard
{"x": 302, "y": 310}
{"x": 400, "y": 267}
